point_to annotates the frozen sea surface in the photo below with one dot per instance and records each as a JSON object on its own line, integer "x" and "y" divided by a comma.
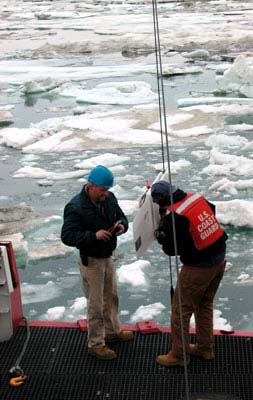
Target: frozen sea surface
{"x": 78, "y": 87}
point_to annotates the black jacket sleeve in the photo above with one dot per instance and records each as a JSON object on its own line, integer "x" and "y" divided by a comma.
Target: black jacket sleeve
{"x": 167, "y": 234}
{"x": 73, "y": 231}
{"x": 121, "y": 217}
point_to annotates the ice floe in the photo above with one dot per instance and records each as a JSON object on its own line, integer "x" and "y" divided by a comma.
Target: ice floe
{"x": 238, "y": 78}
{"x": 133, "y": 273}
{"x": 148, "y": 312}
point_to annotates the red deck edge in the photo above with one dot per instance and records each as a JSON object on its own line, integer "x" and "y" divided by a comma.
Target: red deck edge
{"x": 50, "y": 324}
{"x": 217, "y": 332}
{"x": 15, "y": 296}
{"x": 144, "y": 327}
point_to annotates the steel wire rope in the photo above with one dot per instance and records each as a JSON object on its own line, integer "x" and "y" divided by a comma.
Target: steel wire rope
{"x": 159, "y": 73}
{"x": 161, "y": 96}
{"x": 16, "y": 368}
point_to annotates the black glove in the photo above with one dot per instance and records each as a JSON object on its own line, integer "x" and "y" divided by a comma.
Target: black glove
{"x": 160, "y": 236}
{"x": 162, "y": 211}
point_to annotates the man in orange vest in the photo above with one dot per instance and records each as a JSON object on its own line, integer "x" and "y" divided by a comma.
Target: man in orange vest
{"x": 201, "y": 245}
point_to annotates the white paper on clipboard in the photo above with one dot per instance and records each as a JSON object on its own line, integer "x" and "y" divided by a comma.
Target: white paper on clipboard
{"x": 146, "y": 221}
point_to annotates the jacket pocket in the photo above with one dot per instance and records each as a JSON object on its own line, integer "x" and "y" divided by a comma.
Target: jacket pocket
{"x": 84, "y": 260}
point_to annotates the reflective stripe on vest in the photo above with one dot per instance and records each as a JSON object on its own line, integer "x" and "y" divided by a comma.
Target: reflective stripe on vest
{"x": 204, "y": 227}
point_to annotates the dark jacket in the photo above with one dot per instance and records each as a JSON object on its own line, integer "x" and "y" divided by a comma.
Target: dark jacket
{"x": 82, "y": 219}
{"x": 189, "y": 254}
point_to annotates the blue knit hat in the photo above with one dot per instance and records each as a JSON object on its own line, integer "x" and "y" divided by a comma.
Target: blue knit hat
{"x": 161, "y": 191}
{"x": 101, "y": 176}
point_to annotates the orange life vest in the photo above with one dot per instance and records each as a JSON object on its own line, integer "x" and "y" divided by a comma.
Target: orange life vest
{"x": 204, "y": 227}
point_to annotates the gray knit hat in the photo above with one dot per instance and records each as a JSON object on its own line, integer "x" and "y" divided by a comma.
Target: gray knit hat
{"x": 162, "y": 190}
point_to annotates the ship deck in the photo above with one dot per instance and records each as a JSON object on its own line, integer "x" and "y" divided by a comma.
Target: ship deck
{"x": 58, "y": 367}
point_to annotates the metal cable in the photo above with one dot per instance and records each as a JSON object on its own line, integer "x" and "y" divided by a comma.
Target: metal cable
{"x": 158, "y": 73}
{"x": 171, "y": 282}
{"x": 16, "y": 367}
{"x": 162, "y": 104}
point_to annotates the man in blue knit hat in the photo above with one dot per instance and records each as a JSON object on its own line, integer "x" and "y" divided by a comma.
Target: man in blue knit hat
{"x": 92, "y": 221}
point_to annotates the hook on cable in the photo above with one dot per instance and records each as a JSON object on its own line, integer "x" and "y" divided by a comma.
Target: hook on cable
{"x": 143, "y": 197}
{"x": 18, "y": 381}
{"x": 20, "y": 377}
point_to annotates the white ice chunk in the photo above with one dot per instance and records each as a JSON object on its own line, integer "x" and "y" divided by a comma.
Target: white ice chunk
{"x": 34, "y": 172}
{"x": 49, "y": 250}
{"x": 61, "y": 141}
{"x": 219, "y": 322}
{"x": 18, "y": 242}
{"x": 55, "y": 313}
{"x": 134, "y": 92}
{"x": 114, "y": 128}
{"x": 201, "y": 54}
{"x": 38, "y": 293}
{"x": 235, "y": 212}
{"x": 171, "y": 70}
{"x": 5, "y": 116}
{"x": 243, "y": 277}
{"x": 200, "y": 154}
{"x": 238, "y": 78}
{"x": 17, "y": 138}
{"x": 228, "y": 164}
{"x": 223, "y": 140}
{"x": 129, "y": 206}
{"x": 173, "y": 119}
{"x": 194, "y": 101}
{"x": 232, "y": 187}
{"x": 147, "y": 312}
{"x": 128, "y": 236}
{"x": 191, "y": 132}
{"x": 108, "y": 159}
{"x": 133, "y": 273}
{"x": 79, "y": 304}
{"x": 175, "y": 166}
{"x": 40, "y": 85}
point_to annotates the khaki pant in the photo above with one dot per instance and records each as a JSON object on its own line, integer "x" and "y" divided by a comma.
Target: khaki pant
{"x": 198, "y": 288}
{"x": 99, "y": 285}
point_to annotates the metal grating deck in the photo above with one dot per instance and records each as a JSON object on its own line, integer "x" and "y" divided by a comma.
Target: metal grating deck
{"x": 59, "y": 368}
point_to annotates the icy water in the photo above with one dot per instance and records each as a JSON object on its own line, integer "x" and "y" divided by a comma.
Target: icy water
{"x": 55, "y": 281}
{"x": 51, "y": 286}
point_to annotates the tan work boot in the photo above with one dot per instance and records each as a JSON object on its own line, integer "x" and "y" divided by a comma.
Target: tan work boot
{"x": 168, "y": 360}
{"x": 103, "y": 353}
{"x": 194, "y": 351}
{"x": 123, "y": 336}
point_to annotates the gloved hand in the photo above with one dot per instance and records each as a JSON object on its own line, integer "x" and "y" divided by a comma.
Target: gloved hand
{"x": 162, "y": 211}
{"x": 160, "y": 236}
